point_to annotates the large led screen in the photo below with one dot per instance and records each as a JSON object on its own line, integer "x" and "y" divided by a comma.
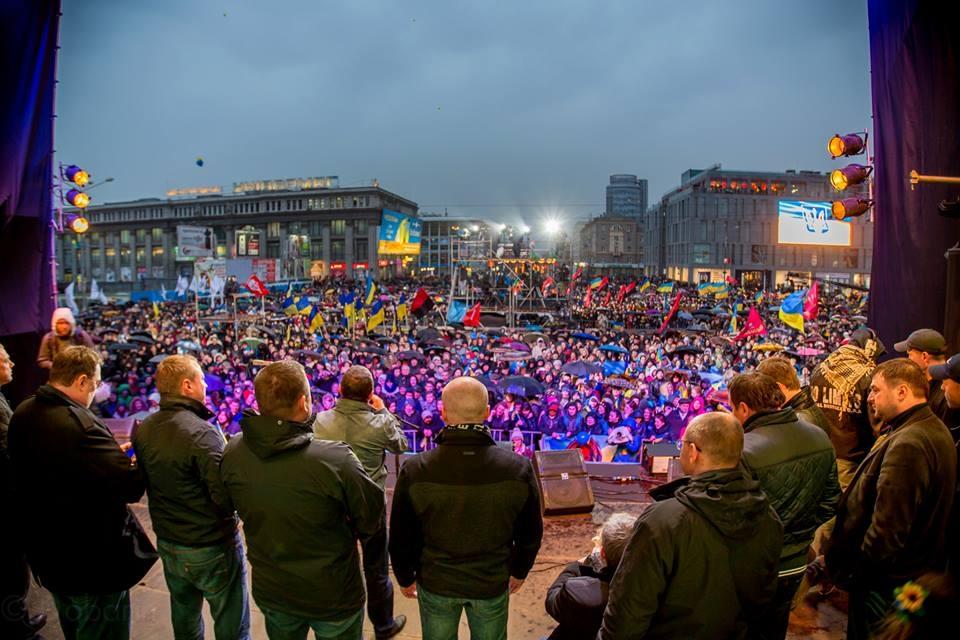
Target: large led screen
{"x": 399, "y": 234}
{"x": 805, "y": 222}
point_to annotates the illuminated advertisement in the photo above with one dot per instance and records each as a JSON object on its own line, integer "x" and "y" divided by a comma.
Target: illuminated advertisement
{"x": 399, "y": 234}
{"x": 805, "y": 222}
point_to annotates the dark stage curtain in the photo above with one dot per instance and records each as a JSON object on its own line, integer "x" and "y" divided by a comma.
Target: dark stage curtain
{"x": 915, "y": 75}
{"x": 28, "y": 47}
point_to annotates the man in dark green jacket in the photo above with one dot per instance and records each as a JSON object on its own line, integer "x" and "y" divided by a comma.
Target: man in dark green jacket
{"x": 304, "y": 505}
{"x": 702, "y": 562}
{"x": 179, "y": 453}
{"x": 796, "y": 465}
{"x": 892, "y": 519}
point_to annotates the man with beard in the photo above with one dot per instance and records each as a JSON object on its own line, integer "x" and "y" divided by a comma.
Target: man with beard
{"x": 928, "y": 348}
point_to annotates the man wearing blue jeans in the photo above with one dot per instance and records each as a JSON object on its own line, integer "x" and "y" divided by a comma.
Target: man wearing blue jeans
{"x": 179, "y": 453}
{"x": 465, "y": 527}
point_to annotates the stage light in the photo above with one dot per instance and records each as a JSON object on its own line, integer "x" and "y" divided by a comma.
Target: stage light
{"x": 523, "y": 228}
{"x": 78, "y": 224}
{"x": 78, "y": 198}
{"x": 76, "y": 175}
{"x": 552, "y": 226}
{"x": 848, "y": 176}
{"x": 850, "y": 207}
{"x": 849, "y": 145}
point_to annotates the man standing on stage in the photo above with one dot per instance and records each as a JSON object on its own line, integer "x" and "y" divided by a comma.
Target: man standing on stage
{"x": 361, "y": 420}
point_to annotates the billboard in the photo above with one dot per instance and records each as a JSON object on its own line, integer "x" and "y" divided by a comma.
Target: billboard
{"x": 194, "y": 242}
{"x": 399, "y": 234}
{"x": 806, "y": 222}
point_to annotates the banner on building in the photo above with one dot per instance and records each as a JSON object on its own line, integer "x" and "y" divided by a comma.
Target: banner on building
{"x": 399, "y": 234}
{"x": 195, "y": 242}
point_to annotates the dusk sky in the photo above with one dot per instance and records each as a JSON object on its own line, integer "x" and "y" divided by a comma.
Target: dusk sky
{"x": 522, "y": 108}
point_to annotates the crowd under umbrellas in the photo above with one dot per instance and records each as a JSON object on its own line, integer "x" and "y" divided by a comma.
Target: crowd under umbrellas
{"x": 587, "y": 373}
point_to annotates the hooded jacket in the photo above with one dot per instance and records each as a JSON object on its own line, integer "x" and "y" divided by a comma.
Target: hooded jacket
{"x": 304, "y": 504}
{"x": 701, "y": 563}
{"x": 797, "y": 468}
{"x": 52, "y": 344}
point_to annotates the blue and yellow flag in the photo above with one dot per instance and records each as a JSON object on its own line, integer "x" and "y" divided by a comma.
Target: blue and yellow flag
{"x": 402, "y": 307}
{"x": 289, "y": 305}
{"x": 315, "y": 322}
{"x": 346, "y": 299}
{"x": 376, "y": 316}
{"x": 791, "y": 310}
{"x": 666, "y": 287}
{"x": 303, "y": 305}
{"x": 371, "y": 291}
{"x": 645, "y": 285}
{"x": 758, "y": 297}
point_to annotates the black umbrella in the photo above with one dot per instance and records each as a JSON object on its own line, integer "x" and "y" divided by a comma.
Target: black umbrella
{"x": 435, "y": 347}
{"x": 123, "y": 346}
{"x": 522, "y": 386}
{"x": 315, "y": 355}
{"x": 488, "y": 383}
{"x": 141, "y": 339}
{"x": 409, "y": 355}
{"x": 685, "y": 350}
{"x": 386, "y": 340}
{"x": 376, "y": 351}
{"x": 158, "y": 359}
{"x": 142, "y": 333}
{"x": 428, "y": 334}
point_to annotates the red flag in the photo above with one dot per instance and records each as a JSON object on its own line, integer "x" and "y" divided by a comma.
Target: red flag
{"x": 673, "y": 310}
{"x": 626, "y": 290}
{"x": 256, "y": 286}
{"x": 622, "y": 291}
{"x": 472, "y": 318}
{"x": 588, "y": 299}
{"x": 732, "y": 281}
{"x": 811, "y": 305}
{"x": 422, "y": 303}
{"x": 606, "y": 299}
{"x": 576, "y": 274}
{"x": 753, "y": 326}
{"x": 546, "y": 285}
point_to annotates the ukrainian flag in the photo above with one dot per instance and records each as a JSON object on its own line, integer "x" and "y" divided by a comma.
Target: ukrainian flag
{"x": 347, "y": 299}
{"x": 645, "y": 285}
{"x": 303, "y": 306}
{"x": 402, "y": 307}
{"x": 722, "y": 291}
{"x": 704, "y": 288}
{"x": 666, "y": 287}
{"x": 371, "y": 291}
{"x": 376, "y": 316}
{"x": 791, "y": 310}
{"x": 758, "y": 298}
{"x": 289, "y": 305}
{"x": 315, "y": 323}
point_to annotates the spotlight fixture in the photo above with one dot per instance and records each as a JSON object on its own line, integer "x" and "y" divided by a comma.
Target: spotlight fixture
{"x": 78, "y": 198}
{"x": 850, "y": 207}
{"x": 851, "y": 144}
{"x": 78, "y": 224}
{"x": 76, "y": 175}
{"x": 850, "y": 175}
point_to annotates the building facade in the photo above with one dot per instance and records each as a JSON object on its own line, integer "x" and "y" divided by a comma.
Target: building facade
{"x": 720, "y": 223}
{"x": 612, "y": 244}
{"x": 626, "y": 195}
{"x": 133, "y": 245}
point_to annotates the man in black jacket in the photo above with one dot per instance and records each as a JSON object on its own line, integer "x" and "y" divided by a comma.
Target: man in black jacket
{"x": 928, "y": 348}
{"x": 796, "y": 466}
{"x": 892, "y": 519}
{"x": 465, "y": 526}
{"x": 179, "y": 453}
{"x": 304, "y": 505}
{"x": 702, "y": 561}
{"x": 68, "y": 468}
{"x": 578, "y": 597}
{"x": 796, "y": 397}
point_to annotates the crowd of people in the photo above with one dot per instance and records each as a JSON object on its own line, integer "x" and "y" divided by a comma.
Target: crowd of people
{"x": 807, "y": 460}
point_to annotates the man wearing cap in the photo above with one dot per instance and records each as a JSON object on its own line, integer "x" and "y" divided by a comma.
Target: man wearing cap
{"x": 928, "y": 348}
{"x": 948, "y": 374}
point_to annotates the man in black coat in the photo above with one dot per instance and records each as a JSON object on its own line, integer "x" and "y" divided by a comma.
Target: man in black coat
{"x": 15, "y": 622}
{"x": 796, "y": 397}
{"x": 578, "y": 597}
{"x": 304, "y": 503}
{"x": 796, "y": 466}
{"x": 465, "y": 526}
{"x": 68, "y": 468}
{"x": 179, "y": 453}
{"x": 928, "y": 348}
{"x": 702, "y": 561}
{"x": 892, "y": 519}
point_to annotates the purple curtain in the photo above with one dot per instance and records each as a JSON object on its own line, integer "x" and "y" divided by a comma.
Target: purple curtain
{"x": 28, "y": 46}
{"x": 915, "y": 75}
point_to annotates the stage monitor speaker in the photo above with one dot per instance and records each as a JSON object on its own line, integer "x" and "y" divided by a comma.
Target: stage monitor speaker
{"x": 564, "y": 483}
{"x": 657, "y": 456}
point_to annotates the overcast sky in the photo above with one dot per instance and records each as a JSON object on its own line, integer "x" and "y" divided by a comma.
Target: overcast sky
{"x": 525, "y": 105}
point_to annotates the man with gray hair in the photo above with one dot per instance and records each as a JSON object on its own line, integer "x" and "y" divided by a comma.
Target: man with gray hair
{"x": 702, "y": 562}
{"x": 578, "y": 596}
{"x": 465, "y": 527}
{"x": 362, "y": 421}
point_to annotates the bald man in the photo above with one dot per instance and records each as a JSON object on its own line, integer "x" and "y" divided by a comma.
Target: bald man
{"x": 465, "y": 526}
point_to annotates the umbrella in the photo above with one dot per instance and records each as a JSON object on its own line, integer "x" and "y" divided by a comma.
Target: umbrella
{"x": 123, "y": 346}
{"x": 768, "y": 346}
{"x": 533, "y": 336}
{"x": 158, "y": 359}
{"x": 580, "y": 335}
{"x": 141, "y": 339}
{"x": 684, "y": 315}
{"x": 522, "y": 386}
{"x": 374, "y": 351}
{"x": 614, "y": 348}
{"x": 386, "y": 340}
{"x": 581, "y": 369}
{"x": 252, "y": 342}
{"x": 619, "y": 383}
{"x": 428, "y": 334}
{"x": 409, "y": 355}
{"x": 704, "y": 312}
{"x": 685, "y": 350}
{"x": 214, "y": 382}
{"x": 518, "y": 346}
{"x": 488, "y": 383}
{"x": 435, "y": 347}
{"x": 699, "y": 327}
{"x": 104, "y": 332}
{"x": 189, "y": 345}
{"x": 720, "y": 341}
{"x": 140, "y": 333}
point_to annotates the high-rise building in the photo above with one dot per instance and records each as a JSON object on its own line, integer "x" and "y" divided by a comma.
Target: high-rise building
{"x": 761, "y": 228}
{"x": 626, "y": 195}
